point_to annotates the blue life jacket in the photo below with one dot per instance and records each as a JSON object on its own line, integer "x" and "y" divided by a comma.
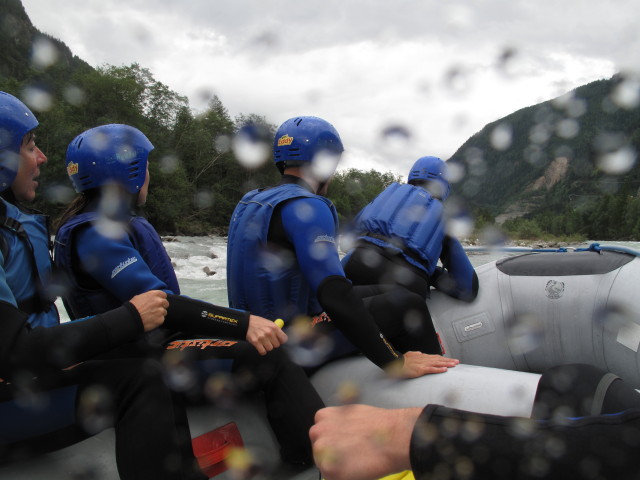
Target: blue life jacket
{"x": 83, "y": 301}
{"x": 407, "y": 219}
{"x": 259, "y": 280}
{"x": 27, "y": 264}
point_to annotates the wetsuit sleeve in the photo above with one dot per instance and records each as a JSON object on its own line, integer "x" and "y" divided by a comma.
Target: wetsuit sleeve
{"x": 116, "y": 265}
{"x": 504, "y": 448}
{"x": 202, "y": 318}
{"x": 310, "y": 227}
{"x": 26, "y": 350}
{"x": 458, "y": 278}
{"x": 119, "y": 268}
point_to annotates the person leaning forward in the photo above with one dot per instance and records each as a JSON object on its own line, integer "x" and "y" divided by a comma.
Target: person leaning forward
{"x": 282, "y": 260}
{"x": 110, "y": 252}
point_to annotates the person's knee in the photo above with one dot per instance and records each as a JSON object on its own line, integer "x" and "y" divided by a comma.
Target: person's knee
{"x": 115, "y": 386}
{"x": 253, "y": 370}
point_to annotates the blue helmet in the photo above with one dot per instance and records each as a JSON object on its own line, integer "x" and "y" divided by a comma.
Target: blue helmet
{"x": 300, "y": 139}
{"x": 433, "y": 173}
{"x": 109, "y": 153}
{"x": 16, "y": 120}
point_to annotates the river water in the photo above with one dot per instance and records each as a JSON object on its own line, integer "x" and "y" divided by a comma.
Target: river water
{"x": 200, "y": 264}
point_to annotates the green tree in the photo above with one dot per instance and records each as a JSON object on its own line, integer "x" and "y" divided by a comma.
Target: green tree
{"x": 352, "y": 189}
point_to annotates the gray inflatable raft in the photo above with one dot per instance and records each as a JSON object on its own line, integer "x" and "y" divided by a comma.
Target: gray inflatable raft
{"x": 539, "y": 310}
{"x": 533, "y": 311}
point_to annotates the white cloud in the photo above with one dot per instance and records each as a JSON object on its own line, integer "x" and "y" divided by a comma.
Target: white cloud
{"x": 439, "y": 70}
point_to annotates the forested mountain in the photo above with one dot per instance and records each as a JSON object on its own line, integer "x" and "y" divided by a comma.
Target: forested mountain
{"x": 565, "y": 166}
{"x": 18, "y": 38}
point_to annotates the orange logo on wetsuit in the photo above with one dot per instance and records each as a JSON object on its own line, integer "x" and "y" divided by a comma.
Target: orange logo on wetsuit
{"x": 72, "y": 168}
{"x": 285, "y": 140}
{"x": 201, "y": 344}
{"x": 321, "y": 317}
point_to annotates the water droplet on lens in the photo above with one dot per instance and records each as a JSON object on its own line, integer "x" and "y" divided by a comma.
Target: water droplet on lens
{"x": 203, "y": 199}
{"x": 568, "y": 128}
{"x": 395, "y": 140}
{"x": 396, "y": 134}
{"x": 222, "y": 143}
{"x": 501, "y": 136}
{"x": 44, "y": 53}
{"x": 492, "y": 236}
{"x": 60, "y": 194}
{"x": 617, "y": 319}
{"x": 95, "y": 408}
{"x": 348, "y": 392}
{"x": 307, "y": 347}
{"x": 618, "y": 162}
{"x": 456, "y": 80}
{"x": 252, "y": 145}
{"x": 627, "y": 93}
{"x": 169, "y": 164}
{"x": 525, "y": 334}
{"x": 456, "y": 171}
{"x": 74, "y": 95}
{"x": 460, "y": 227}
{"x": 37, "y": 99}
{"x": 506, "y": 60}
{"x": 324, "y": 165}
{"x": 110, "y": 228}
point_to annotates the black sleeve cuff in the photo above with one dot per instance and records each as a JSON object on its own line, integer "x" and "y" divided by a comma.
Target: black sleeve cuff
{"x": 421, "y": 439}
{"x": 121, "y": 324}
{"x": 202, "y": 318}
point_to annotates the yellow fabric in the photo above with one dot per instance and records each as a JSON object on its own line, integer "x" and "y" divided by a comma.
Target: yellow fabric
{"x": 406, "y": 475}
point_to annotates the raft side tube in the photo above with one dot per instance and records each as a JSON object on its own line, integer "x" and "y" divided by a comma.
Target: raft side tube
{"x": 467, "y": 387}
{"x": 546, "y": 309}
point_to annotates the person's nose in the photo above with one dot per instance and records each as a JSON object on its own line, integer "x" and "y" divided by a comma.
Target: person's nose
{"x": 42, "y": 158}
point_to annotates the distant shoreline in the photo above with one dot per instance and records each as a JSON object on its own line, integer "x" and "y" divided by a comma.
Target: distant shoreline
{"x": 223, "y": 232}
{"x": 527, "y": 243}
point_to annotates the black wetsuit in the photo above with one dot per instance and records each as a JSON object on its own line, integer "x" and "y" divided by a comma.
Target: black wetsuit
{"x": 352, "y": 309}
{"x": 372, "y": 264}
{"x": 210, "y": 339}
{"x": 585, "y": 425}
{"x": 149, "y": 420}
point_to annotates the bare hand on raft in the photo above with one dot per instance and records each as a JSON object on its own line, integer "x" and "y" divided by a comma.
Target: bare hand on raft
{"x": 417, "y": 364}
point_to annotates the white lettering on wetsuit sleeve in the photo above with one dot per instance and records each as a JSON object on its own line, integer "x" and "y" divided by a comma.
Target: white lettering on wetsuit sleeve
{"x": 122, "y": 265}
{"x": 325, "y": 238}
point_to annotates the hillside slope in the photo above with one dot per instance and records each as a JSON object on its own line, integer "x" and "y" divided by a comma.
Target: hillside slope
{"x": 581, "y": 144}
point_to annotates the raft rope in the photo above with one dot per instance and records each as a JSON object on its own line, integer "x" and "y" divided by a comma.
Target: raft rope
{"x": 594, "y": 247}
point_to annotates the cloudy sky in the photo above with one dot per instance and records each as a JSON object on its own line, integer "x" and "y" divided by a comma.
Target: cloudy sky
{"x": 399, "y": 79}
